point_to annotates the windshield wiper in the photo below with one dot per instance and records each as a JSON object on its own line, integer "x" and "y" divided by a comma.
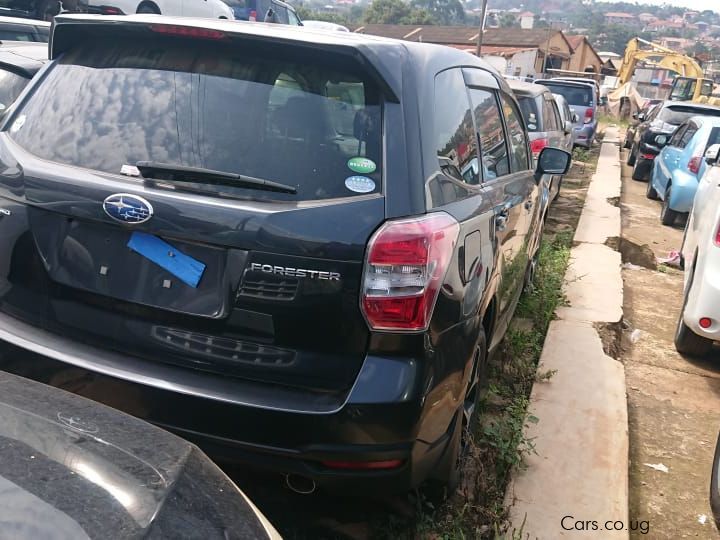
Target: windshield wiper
{"x": 165, "y": 172}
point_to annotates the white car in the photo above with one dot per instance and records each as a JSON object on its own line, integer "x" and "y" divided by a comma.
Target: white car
{"x": 209, "y": 9}
{"x": 699, "y": 323}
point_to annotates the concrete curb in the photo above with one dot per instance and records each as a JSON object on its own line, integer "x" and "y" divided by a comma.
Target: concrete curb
{"x": 581, "y": 440}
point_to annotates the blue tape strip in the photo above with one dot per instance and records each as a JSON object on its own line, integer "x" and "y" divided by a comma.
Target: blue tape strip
{"x": 182, "y": 266}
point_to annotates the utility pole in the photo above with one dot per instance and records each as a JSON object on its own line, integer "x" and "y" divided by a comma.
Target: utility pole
{"x": 482, "y": 27}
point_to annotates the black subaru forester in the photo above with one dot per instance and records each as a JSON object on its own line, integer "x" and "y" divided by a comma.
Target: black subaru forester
{"x": 294, "y": 248}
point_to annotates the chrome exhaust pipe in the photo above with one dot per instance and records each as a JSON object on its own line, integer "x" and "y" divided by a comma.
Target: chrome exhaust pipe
{"x": 300, "y": 484}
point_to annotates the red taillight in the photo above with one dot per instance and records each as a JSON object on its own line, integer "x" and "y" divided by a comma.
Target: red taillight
{"x": 588, "y": 116}
{"x": 647, "y": 156}
{"x": 717, "y": 235}
{"x": 253, "y": 16}
{"x": 109, "y": 10}
{"x": 405, "y": 265}
{"x": 694, "y": 164}
{"x": 364, "y": 465}
{"x": 187, "y": 31}
{"x": 537, "y": 145}
{"x": 705, "y": 322}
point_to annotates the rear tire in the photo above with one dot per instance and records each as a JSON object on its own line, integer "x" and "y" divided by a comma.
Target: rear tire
{"x": 632, "y": 156}
{"x": 639, "y": 171}
{"x": 668, "y": 216}
{"x": 450, "y": 468}
{"x": 688, "y": 342}
{"x": 650, "y": 192}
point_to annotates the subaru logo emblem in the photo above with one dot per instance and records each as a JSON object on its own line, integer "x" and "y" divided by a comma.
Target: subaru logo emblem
{"x": 126, "y": 208}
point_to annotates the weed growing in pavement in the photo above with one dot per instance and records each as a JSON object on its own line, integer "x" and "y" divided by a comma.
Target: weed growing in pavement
{"x": 581, "y": 154}
{"x": 500, "y": 442}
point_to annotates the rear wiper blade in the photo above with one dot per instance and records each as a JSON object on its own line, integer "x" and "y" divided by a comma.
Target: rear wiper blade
{"x": 165, "y": 172}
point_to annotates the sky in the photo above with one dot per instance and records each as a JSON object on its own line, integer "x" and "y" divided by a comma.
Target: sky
{"x": 697, "y": 5}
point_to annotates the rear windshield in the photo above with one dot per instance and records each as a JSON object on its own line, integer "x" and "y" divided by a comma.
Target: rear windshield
{"x": 676, "y": 115}
{"x": 297, "y": 122}
{"x": 581, "y": 96}
{"x": 529, "y": 109}
{"x": 714, "y": 138}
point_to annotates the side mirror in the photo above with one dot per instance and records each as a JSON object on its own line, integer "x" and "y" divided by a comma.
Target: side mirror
{"x": 636, "y": 116}
{"x": 641, "y": 116}
{"x": 712, "y": 156}
{"x": 552, "y": 161}
{"x": 568, "y": 127}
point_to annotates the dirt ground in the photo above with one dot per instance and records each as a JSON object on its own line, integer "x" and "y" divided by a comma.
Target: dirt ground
{"x": 673, "y": 402}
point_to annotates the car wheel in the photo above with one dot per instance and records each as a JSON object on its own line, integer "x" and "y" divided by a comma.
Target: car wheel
{"x": 632, "y": 156}
{"x": 686, "y": 341}
{"x": 650, "y": 192}
{"x": 640, "y": 170}
{"x": 627, "y": 143}
{"x": 668, "y": 216}
{"x": 148, "y": 8}
{"x": 449, "y": 474}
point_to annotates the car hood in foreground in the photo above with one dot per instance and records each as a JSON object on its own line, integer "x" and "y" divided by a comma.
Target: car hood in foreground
{"x": 71, "y": 468}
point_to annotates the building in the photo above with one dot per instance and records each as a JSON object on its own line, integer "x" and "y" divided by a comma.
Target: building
{"x": 647, "y": 18}
{"x": 527, "y": 20}
{"x": 621, "y": 19}
{"x": 531, "y": 52}
{"x": 584, "y": 56}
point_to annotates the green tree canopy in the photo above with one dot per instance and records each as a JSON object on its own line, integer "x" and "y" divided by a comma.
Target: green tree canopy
{"x": 396, "y": 12}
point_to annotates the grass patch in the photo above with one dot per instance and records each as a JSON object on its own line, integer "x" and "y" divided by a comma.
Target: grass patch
{"x": 500, "y": 443}
{"x": 581, "y": 154}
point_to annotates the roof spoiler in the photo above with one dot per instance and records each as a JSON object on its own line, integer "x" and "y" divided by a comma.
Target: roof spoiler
{"x": 69, "y": 31}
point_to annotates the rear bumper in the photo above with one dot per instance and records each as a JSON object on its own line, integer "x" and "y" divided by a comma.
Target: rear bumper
{"x": 703, "y": 297}
{"x": 266, "y": 426}
{"x": 585, "y": 134}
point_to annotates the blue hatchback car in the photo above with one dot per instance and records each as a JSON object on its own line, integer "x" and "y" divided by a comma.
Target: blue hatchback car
{"x": 681, "y": 164}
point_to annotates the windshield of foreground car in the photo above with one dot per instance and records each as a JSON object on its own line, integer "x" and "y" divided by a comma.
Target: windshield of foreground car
{"x": 209, "y": 106}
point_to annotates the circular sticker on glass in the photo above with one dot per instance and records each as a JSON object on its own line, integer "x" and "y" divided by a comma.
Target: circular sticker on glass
{"x": 361, "y": 165}
{"x": 360, "y": 184}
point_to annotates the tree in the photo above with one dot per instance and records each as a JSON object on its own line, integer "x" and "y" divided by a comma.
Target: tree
{"x": 396, "y": 12}
{"x": 443, "y": 11}
{"x": 508, "y": 20}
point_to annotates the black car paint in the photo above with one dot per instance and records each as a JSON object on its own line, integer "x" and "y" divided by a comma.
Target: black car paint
{"x": 358, "y": 395}
{"x": 72, "y": 468}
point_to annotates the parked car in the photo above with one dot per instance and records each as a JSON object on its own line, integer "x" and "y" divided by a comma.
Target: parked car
{"x": 19, "y": 64}
{"x": 567, "y": 119}
{"x": 274, "y": 11}
{"x": 655, "y": 131}
{"x": 308, "y": 282}
{"x": 213, "y": 9}
{"x": 583, "y": 100}
{"x": 17, "y": 29}
{"x": 637, "y": 119}
{"x": 680, "y": 165}
{"x": 72, "y": 468}
{"x": 545, "y": 128}
{"x": 699, "y": 323}
{"x": 715, "y": 485}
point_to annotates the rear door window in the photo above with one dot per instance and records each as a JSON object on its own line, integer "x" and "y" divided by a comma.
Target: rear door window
{"x": 516, "y": 137}
{"x": 455, "y": 137}
{"x": 688, "y": 135}
{"x": 489, "y": 124}
{"x": 529, "y": 108}
{"x": 11, "y": 84}
{"x": 550, "y": 115}
{"x": 275, "y": 116}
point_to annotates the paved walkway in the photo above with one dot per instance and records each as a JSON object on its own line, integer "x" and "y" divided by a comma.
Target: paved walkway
{"x": 577, "y": 484}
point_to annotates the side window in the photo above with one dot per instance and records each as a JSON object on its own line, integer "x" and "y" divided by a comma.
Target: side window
{"x": 679, "y": 132}
{"x": 281, "y": 13}
{"x": 517, "y": 137}
{"x": 558, "y": 118}
{"x": 550, "y": 122}
{"x": 456, "y": 141}
{"x": 493, "y": 148}
{"x": 689, "y": 134}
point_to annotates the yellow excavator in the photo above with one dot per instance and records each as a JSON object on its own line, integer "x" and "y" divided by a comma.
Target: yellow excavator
{"x": 690, "y": 84}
